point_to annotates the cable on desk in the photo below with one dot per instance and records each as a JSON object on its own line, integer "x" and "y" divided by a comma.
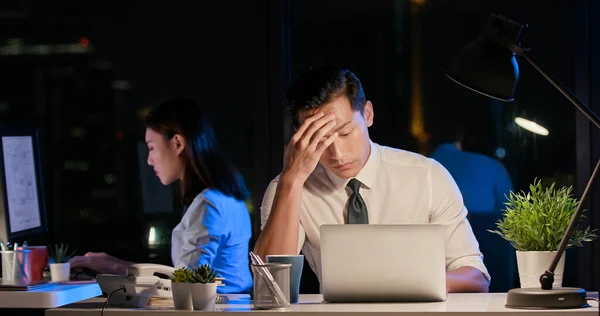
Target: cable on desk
{"x": 108, "y": 299}
{"x": 594, "y": 299}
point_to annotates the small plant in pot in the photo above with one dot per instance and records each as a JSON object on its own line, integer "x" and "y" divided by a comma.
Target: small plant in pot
{"x": 204, "y": 290}
{"x": 60, "y": 268}
{"x": 181, "y": 288}
{"x": 534, "y": 223}
{"x": 194, "y": 288}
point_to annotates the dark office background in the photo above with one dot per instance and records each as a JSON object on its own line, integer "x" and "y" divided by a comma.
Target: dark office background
{"x": 86, "y": 72}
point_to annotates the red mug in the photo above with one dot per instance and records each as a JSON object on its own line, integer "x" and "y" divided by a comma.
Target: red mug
{"x": 38, "y": 258}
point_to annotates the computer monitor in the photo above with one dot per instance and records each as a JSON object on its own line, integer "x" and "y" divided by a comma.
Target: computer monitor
{"x": 22, "y": 207}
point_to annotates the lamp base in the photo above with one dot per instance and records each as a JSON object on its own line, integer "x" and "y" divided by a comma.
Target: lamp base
{"x": 536, "y": 298}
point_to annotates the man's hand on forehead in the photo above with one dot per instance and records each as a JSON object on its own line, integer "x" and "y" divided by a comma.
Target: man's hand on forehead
{"x": 308, "y": 144}
{"x": 338, "y": 128}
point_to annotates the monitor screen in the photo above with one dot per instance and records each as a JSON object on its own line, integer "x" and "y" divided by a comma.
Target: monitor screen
{"x": 21, "y": 184}
{"x": 22, "y": 207}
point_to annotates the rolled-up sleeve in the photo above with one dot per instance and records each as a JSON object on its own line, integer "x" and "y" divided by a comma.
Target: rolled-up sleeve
{"x": 447, "y": 209}
{"x": 265, "y": 210}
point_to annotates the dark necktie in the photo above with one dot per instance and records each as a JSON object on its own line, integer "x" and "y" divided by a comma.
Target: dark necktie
{"x": 357, "y": 209}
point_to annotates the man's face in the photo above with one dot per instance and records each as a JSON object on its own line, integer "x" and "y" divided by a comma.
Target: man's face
{"x": 350, "y": 151}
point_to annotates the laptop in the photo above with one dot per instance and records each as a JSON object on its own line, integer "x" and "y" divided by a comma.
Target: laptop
{"x": 383, "y": 263}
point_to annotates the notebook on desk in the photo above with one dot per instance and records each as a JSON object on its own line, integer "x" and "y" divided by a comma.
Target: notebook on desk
{"x": 13, "y": 285}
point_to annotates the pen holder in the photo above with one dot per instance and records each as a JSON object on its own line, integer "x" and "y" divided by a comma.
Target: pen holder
{"x": 263, "y": 297}
{"x": 16, "y": 265}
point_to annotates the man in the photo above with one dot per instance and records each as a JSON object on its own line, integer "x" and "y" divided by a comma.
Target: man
{"x": 330, "y": 156}
{"x": 483, "y": 181}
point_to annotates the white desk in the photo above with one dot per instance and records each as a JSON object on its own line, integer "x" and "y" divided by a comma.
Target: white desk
{"x": 49, "y": 297}
{"x": 312, "y": 305}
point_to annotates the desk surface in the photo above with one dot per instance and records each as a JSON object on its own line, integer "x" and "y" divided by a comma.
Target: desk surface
{"x": 49, "y": 297}
{"x": 456, "y": 304}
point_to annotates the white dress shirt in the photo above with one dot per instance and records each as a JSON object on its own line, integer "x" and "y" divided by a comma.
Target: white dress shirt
{"x": 398, "y": 187}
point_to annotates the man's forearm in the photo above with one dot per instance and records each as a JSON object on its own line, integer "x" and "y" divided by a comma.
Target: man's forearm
{"x": 466, "y": 280}
{"x": 280, "y": 234}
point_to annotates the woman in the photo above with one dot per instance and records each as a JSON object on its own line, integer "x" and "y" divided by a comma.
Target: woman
{"x": 215, "y": 227}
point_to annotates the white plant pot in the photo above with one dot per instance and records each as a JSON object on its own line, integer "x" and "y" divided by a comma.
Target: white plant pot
{"x": 204, "y": 296}
{"x": 60, "y": 272}
{"x": 182, "y": 296}
{"x": 532, "y": 264}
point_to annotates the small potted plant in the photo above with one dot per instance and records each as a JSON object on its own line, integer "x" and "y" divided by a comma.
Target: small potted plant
{"x": 204, "y": 288}
{"x": 534, "y": 223}
{"x": 60, "y": 268}
{"x": 181, "y": 288}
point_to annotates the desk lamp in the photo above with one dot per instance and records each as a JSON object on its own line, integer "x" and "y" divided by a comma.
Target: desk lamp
{"x": 488, "y": 66}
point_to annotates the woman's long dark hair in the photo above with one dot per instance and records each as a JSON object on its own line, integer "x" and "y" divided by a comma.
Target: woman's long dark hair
{"x": 205, "y": 165}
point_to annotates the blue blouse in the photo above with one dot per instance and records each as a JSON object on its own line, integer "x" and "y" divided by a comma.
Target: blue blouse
{"x": 216, "y": 230}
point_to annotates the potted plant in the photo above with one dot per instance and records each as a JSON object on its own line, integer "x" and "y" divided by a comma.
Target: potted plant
{"x": 181, "y": 288}
{"x": 534, "y": 223}
{"x": 194, "y": 289}
{"x": 60, "y": 268}
{"x": 204, "y": 288}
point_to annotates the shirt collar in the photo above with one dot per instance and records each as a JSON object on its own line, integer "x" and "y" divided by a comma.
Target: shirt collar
{"x": 366, "y": 175}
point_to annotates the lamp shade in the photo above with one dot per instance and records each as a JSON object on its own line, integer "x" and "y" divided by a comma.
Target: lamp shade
{"x": 486, "y": 67}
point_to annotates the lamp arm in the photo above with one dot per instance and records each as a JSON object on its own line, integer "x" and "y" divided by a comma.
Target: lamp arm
{"x": 561, "y": 87}
{"x": 547, "y": 278}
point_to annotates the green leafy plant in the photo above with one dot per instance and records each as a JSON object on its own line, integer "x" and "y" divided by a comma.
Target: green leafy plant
{"x": 204, "y": 274}
{"x": 60, "y": 253}
{"x": 537, "y": 221}
{"x": 182, "y": 275}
